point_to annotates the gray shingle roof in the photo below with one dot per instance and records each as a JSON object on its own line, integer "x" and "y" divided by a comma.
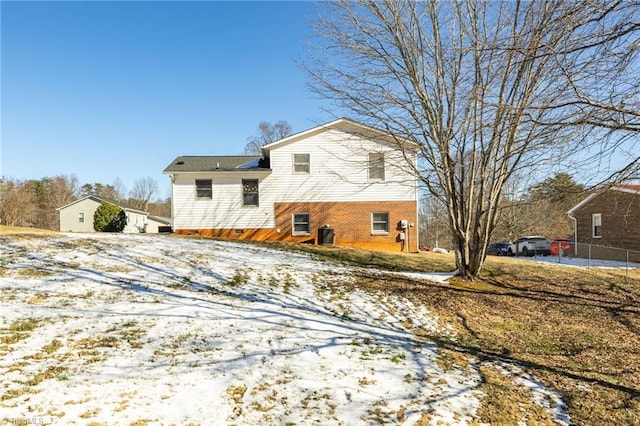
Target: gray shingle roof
{"x": 95, "y": 198}
{"x": 190, "y": 163}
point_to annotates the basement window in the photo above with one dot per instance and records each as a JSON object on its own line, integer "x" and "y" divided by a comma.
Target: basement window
{"x": 301, "y": 224}
{"x": 380, "y": 223}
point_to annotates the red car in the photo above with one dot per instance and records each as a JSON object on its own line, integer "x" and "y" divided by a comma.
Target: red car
{"x": 562, "y": 247}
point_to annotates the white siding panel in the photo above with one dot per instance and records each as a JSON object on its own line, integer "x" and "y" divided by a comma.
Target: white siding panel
{"x": 339, "y": 171}
{"x": 135, "y": 222}
{"x": 153, "y": 226}
{"x": 225, "y": 210}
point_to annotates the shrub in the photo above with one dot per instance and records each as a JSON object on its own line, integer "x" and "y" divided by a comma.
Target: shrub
{"x": 109, "y": 218}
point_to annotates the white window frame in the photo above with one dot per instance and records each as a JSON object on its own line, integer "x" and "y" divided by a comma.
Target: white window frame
{"x": 304, "y": 165}
{"x": 245, "y": 193}
{"x": 376, "y": 167}
{"x": 80, "y": 217}
{"x": 305, "y": 233}
{"x": 210, "y": 189}
{"x": 375, "y": 221}
{"x": 596, "y": 225}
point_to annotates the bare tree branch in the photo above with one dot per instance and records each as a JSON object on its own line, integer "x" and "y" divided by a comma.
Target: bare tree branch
{"x": 485, "y": 88}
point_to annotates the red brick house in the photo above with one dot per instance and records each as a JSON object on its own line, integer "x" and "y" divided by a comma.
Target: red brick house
{"x": 609, "y": 218}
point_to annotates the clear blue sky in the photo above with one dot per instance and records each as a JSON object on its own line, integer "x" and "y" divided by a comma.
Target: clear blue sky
{"x": 107, "y": 90}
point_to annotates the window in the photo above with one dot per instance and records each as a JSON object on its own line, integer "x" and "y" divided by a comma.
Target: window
{"x": 596, "y": 224}
{"x": 301, "y": 163}
{"x": 204, "y": 189}
{"x": 376, "y": 166}
{"x": 379, "y": 223}
{"x": 250, "y": 192}
{"x": 81, "y": 217}
{"x": 301, "y": 224}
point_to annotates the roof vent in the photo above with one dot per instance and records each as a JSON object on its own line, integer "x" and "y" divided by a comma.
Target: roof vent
{"x": 217, "y": 166}
{"x": 180, "y": 162}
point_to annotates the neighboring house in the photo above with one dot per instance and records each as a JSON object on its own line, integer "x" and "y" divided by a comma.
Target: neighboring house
{"x": 156, "y": 224}
{"x": 77, "y": 216}
{"x": 344, "y": 176}
{"x": 609, "y": 218}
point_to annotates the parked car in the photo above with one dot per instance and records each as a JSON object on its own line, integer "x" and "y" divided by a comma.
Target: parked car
{"x": 562, "y": 247}
{"x": 501, "y": 249}
{"x": 532, "y": 246}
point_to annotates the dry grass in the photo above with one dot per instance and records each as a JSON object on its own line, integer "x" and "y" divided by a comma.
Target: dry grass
{"x": 18, "y": 230}
{"x": 390, "y": 261}
{"x": 578, "y": 330}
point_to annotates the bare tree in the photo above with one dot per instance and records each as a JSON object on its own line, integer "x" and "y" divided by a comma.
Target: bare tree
{"x": 57, "y": 192}
{"x": 120, "y": 189}
{"x": 434, "y": 225}
{"x": 18, "y": 206}
{"x": 265, "y": 134}
{"x": 144, "y": 190}
{"x": 485, "y": 88}
{"x": 160, "y": 207}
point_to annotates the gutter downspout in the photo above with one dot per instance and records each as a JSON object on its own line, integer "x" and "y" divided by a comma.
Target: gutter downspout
{"x": 173, "y": 179}
{"x": 575, "y": 232}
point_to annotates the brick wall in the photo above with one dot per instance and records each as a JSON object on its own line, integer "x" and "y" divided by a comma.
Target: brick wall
{"x": 620, "y": 220}
{"x": 351, "y": 223}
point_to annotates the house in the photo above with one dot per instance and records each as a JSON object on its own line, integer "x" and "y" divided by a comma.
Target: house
{"x": 610, "y": 217}
{"x": 77, "y": 216}
{"x": 156, "y": 224}
{"x": 340, "y": 183}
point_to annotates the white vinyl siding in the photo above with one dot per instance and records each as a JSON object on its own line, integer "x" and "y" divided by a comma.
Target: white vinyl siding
{"x": 376, "y": 166}
{"x": 596, "y": 225}
{"x": 339, "y": 173}
{"x": 224, "y": 211}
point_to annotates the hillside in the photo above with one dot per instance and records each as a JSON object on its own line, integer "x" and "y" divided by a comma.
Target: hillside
{"x": 121, "y": 329}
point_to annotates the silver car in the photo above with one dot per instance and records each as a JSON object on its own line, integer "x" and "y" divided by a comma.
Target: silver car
{"x": 535, "y": 245}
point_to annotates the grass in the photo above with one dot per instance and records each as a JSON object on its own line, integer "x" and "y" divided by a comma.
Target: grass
{"x": 355, "y": 257}
{"x": 239, "y": 278}
{"x": 18, "y": 231}
{"x": 18, "y": 330}
{"x": 384, "y": 260}
{"x": 574, "y": 329}
{"x": 577, "y": 330}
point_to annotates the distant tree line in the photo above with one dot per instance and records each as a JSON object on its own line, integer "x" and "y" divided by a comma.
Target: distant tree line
{"x": 539, "y": 209}
{"x": 33, "y": 202}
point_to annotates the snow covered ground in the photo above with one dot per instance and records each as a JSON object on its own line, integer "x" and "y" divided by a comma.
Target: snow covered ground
{"x": 123, "y": 329}
{"x": 582, "y": 262}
